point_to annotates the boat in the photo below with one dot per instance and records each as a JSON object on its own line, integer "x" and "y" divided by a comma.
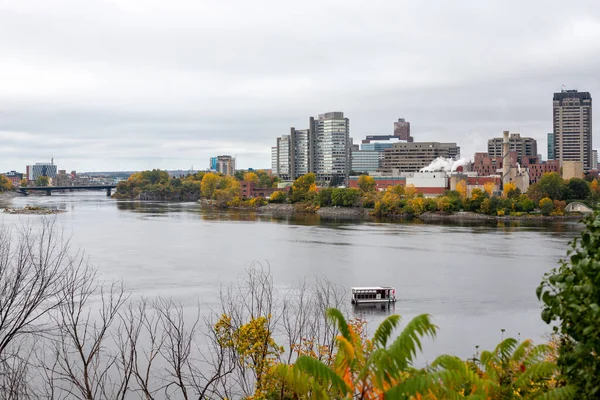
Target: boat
{"x": 373, "y": 294}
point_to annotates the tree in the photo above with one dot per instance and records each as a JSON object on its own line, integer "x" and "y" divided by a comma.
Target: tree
{"x": 5, "y": 183}
{"x": 552, "y": 185}
{"x": 345, "y": 197}
{"x": 36, "y": 265}
{"x": 546, "y": 206}
{"x": 579, "y": 189}
{"x": 24, "y": 182}
{"x": 277, "y": 197}
{"x": 301, "y": 186}
{"x": 324, "y": 197}
{"x": 570, "y": 296}
{"x": 251, "y": 177}
{"x": 366, "y": 183}
{"x": 461, "y": 187}
{"x": 264, "y": 181}
{"x": 364, "y": 368}
{"x": 489, "y": 188}
{"x": 525, "y": 204}
{"x": 239, "y": 174}
{"x": 42, "y": 181}
{"x": 209, "y": 184}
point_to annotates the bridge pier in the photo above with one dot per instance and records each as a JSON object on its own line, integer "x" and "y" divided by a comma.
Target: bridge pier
{"x": 108, "y": 191}
{"x": 49, "y": 192}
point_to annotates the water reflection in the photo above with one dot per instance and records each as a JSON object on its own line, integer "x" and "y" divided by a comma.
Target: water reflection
{"x": 373, "y": 310}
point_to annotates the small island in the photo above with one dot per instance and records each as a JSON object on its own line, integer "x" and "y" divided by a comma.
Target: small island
{"x": 31, "y": 210}
{"x": 550, "y": 198}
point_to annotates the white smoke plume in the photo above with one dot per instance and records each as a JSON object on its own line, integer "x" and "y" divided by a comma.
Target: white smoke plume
{"x": 444, "y": 164}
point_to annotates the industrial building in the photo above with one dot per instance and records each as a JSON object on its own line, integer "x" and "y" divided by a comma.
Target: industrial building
{"x": 524, "y": 146}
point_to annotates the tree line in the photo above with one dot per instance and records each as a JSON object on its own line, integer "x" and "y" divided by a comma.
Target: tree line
{"x": 550, "y": 196}
{"x": 158, "y": 185}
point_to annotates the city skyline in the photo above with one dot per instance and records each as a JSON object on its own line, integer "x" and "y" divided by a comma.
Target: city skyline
{"x": 169, "y": 86}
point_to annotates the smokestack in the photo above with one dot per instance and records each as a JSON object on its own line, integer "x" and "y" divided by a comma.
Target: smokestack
{"x": 505, "y": 160}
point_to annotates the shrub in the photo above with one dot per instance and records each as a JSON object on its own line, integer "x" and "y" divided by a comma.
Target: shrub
{"x": 278, "y": 197}
{"x": 546, "y": 206}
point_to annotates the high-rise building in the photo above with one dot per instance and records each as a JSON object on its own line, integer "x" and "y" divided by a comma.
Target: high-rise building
{"x": 284, "y": 170}
{"x": 524, "y": 146}
{"x": 274, "y": 160}
{"x": 551, "y": 146}
{"x": 331, "y": 157}
{"x": 413, "y": 156}
{"x": 324, "y": 149}
{"x": 572, "y": 120}
{"x": 223, "y": 164}
{"x": 594, "y": 159}
{"x": 402, "y": 130}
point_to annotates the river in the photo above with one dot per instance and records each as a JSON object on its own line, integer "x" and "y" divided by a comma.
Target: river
{"x": 474, "y": 279}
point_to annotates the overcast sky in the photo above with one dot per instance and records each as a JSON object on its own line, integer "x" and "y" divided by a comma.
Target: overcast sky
{"x": 131, "y": 85}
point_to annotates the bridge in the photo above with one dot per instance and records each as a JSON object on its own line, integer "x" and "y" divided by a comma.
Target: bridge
{"x": 50, "y": 189}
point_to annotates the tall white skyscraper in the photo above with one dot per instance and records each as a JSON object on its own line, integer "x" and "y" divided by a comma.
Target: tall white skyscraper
{"x": 331, "y": 132}
{"x": 323, "y": 148}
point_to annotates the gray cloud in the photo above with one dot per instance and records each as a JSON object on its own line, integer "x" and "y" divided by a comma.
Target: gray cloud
{"x": 130, "y": 85}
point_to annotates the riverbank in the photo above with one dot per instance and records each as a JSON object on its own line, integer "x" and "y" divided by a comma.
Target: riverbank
{"x": 365, "y": 213}
{"x": 471, "y": 216}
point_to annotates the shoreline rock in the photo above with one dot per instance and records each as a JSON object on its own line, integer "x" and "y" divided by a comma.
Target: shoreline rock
{"x": 471, "y": 216}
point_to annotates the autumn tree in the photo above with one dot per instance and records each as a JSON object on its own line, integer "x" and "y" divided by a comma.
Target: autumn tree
{"x": 546, "y": 206}
{"x": 251, "y": 177}
{"x": 5, "y": 183}
{"x": 461, "y": 187}
{"x": 24, "y": 182}
{"x": 489, "y": 188}
{"x": 209, "y": 184}
{"x": 366, "y": 183}
{"x": 509, "y": 188}
{"x": 278, "y": 197}
{"x": 301, "y": 187}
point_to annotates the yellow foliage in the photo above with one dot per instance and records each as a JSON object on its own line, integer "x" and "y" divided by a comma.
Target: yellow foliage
{"x": 251, "y": 177}
{"x": 210, "y": 182}
{"x": 5, "y": 183}
{"x": 595, "y": 187}
{"x": 417, "y": 205}
{"x": 461, "y": 187}
{"x": 366, "y": 183}
{"x": 443, "y": 203}
{"x": 410, "y": 191}
{"x": 508, "y": 187}
{"x": 254, "y": 347}
{"x": 489, "y": 188}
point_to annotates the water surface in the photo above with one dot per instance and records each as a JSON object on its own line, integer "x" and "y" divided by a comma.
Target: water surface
{"x": 474, "y": 279}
